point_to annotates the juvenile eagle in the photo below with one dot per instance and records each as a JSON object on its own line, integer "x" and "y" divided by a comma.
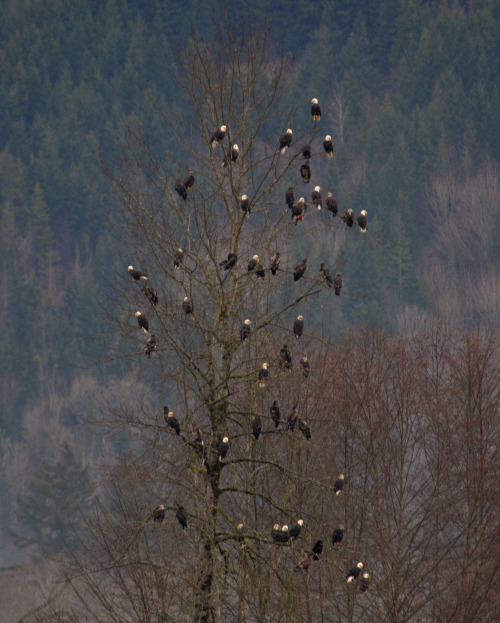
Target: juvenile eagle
{"x": 150, "y": 293}
{"x": 348, "y": 217}
{"x": 300, "y": 269}
{"x": 230, "y": 262}
{"x": 180, "y": 189}
{"x": 275, "y": 413}
{"x": 337, "y": 284}
{"x": 305, "y": 172}
{"x": 257, "y": 426}
{"x": 290, "y": 197}
{"x": 181, "y": 516}
{"x": 331, "y": 204}
{"x": 275, "y": 263}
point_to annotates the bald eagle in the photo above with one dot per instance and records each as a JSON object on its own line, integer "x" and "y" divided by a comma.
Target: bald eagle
{"x": 305, "y": 365}
{"x": 316, "y": 197}
{"x": 222, "y": 448}
{"x": 189, "y": 181}
{"x": 136, "y": 274}
{"x": 150, "y": 293}
{"x": 338, "y": 535}
{"x": 171, "y": 420}
{"x": 305, "y": 563}
{"x": 159, "y": 514}
{"x": 285, "y": 141}
{"x": 283, "y": 537}
{"x": 331, "y": 204}
{"x": 353, "y": 573}
{"x": 299, "y": 211}
{"x": 230, "y": 262}
{"x": 275, "y": 413}
{"x": 245, "y": 330}
{"x": 305, "y": 171}
{"x": 364, "y": 582}
{"x": 181, "y": 516}
{"x": 338, "y": 485}
{"x": 218, "y": 136}
{"x": 348, "y": 217}
{"x": 294, "y": 532}
{"x": 292, "y": 419}
{"x": 142, "y": 321}
{"x": 255, "y": 266}
{"x": 245, "y": 204}
{"x": 256, "y": 426}
{"x": 232, "y": 156}
{"x": 178, "y": 257}
{"x": 337, "y": 284}
{"x": 275, "y": 263}
{"x": 187, "y": 305}
{"x": 306, "y": 152}
{"x": 276, "y": 532}
{"x": 290, "y": 198}
{"x": 298, "y": 327}
{"x": 304, "y": 429}
{"x": 263, "y": 374}
{"x": 150, "y": 346}
{"x": 328, "y": 146}
{"x": 299, "y": 269}
{"x": 285, "y": 358}
{"x": 326, "y": 275}
{"x": 315, "y": 110}
{"x": 317, "y": 549}
{"x": 180, "y": 189}
{"x": 362, "y": 220}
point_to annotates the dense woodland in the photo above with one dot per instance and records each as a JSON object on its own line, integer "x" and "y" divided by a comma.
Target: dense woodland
{"x": 409, "y": 92}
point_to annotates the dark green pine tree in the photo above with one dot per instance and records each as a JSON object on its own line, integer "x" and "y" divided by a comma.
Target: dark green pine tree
{"x": 51, "y": 514}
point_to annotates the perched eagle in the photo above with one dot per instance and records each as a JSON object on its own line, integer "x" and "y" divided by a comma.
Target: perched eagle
{"x": 187, "y": 305}
{"x": 348, "y": 217}
{"x": 245, "y": 330}
{"x": 275, "y": 413}
{"x": 304, "y": 429}
{"x": 171, "y": 420}
{"x": 305, "y": 563}
{"x": 315, "y": 110}
{"x": 285, "y": 141}
{"x": 263, "y": 374}
{"x": 199, "y": 444}
{"x": 178, "y": 257}
{"x": 189, "y": 181}
{"x": 326, "y": 275}
{"x": 159, "y": 514}
{"x": 218, "y": 136}
{"x": 290, "y": 198}
{"x": 283, "y": 537}
{"x": 306, "y": 152}
{"x": 299, "y": 270}
{"x": 245, "y": 204}
{"x": 181, "y": 516}
{"x": 276, "y": 532}
{"x": 256, "y": 426}
{"x": 142, "y": 321}
{"x": 353, "y": 574}
{"x": 362, "y": 220}
{"x": 150, "y": 293}
{"x": 275, "y": 263}
{"x": 364, "y": 582}
{"x": 230, "y": 262}
{"x": 299, "y": 211}
{"x": 136, "y": 274}
{"x": 338, "y": 535}
{"x": 292, "y": 419}
{"x": 254, "y": 265}
{"x": 316, "y": 197}
{"x": 222, "y": 448}
{"x": 150, "y": 346}
{"x": 328, "y": 146}
{"x": 338, "y": 485}
{"x": 317, "y": 549}
{"x": 305, "y": 171}
{"x": 285, "y": 358}
{"x": 232, "y": 156}
{"x": 295, "y": 530}
{"x": 337, "y": 284}
{"x": 180, "y": 189}
{"x": 331, "y": 204}
{"x": 298, "y": 327}
{"x": 305, "y": 365}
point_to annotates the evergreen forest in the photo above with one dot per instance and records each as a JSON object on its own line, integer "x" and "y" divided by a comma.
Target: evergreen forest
{"x": 410, "y": 94}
